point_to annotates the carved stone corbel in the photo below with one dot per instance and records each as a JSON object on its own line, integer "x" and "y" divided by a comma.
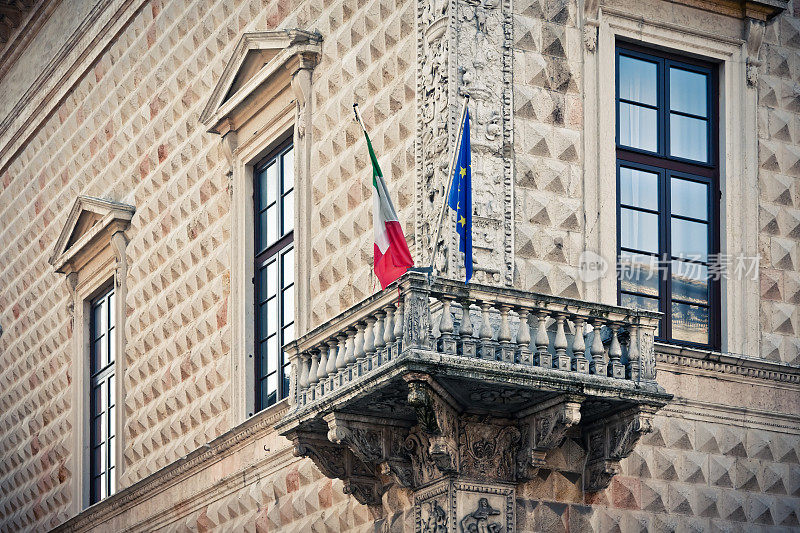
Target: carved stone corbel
{"x": 118, "y": 244}
{"x": 301, "y": 88}
{"x": 591, "y": 23}
{"x": 754, "y": 36}
{"x": 611, "y": 440}
{"x": 230, "y": 142}
{"x": 72, "y": 285}
{"x": 433, "y": 440}
{"x": 339, "y": 462}
{"x": 378, "y": 443}
{"x": 546, "y": 430}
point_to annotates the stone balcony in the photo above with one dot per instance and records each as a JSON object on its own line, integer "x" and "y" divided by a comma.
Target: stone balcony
{"x": 426, "y": 382}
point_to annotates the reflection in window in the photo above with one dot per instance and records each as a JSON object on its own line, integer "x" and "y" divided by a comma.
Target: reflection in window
{"x": 102, "y": 408}
{"x": 666, "y": 193}
{"x": 274, "y": 273}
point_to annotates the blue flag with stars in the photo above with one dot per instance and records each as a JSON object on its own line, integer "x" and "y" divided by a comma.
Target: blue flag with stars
{"x": 460, "y": 198}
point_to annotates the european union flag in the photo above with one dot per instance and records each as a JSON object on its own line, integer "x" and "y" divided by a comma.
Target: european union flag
{"x": 460, "y": 198}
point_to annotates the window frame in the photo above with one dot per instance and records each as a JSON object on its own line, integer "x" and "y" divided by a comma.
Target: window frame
{"x": 276, "y": 251}
{"x": 667, "y": 166}
{"x": 107, "y": 294}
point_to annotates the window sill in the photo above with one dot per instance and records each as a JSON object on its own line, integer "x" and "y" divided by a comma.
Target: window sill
{"x": 726, "y": 362}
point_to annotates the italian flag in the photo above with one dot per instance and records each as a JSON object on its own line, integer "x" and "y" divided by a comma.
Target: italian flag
{"x": 392, "y": 257}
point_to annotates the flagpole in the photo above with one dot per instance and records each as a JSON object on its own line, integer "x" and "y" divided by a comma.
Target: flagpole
{"x": 361, "y": 123}
{"x": 449, "y": 183}
{"x": 358, "y": 118}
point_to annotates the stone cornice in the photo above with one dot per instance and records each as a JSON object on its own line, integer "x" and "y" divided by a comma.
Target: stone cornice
{"x": 293, "y": 49}
{"x": 34, "y": 21}
{"x": 738, "y": 365}
{"x": 201, "y": 458}
{"x": 79, "y": 51}
{"x": 758, "y": 9}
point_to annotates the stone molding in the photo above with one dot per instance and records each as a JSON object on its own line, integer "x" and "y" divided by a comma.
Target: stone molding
{"x": 111, "y": 217}
{"x": 202, "y": 458}
{"x": 25, "y": 34}
{"x": 748, "y": 367}
{"x": 262, "y": 98}
{"x": 293, "y": 49}
{"x": 80, "y": 50}
{"x": 736, "y": 416}
{"x": 738, "y": 119}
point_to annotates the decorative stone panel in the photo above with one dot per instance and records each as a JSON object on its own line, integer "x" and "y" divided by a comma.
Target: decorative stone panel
{"x": 464, "y": 48}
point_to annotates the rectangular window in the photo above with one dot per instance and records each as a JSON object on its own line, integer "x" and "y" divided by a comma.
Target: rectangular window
{"x": 102, "y": 409}
{"x": 668, "y": 183}
{"x": 273, "y": 198}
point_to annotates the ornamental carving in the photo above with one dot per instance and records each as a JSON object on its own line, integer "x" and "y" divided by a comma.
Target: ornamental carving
{"x": 417, "y": 317}
{"x": 465, "y": 47}
{"x": 647, "y": 354}
{"x": 482, "y": 519}
{"x": 546, "y": 430}
{"x": 434, "y": 519}
{"x": 611, "y": 440}
{"x": 487, "y": 450}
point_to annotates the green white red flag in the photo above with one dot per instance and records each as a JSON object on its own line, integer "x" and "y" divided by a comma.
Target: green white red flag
{"x": 392, "y": 257}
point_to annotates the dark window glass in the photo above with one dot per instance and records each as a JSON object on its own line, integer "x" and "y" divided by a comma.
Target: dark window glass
{"x": 667, "y": 179}
{"x": 102, "y": 408}
{"x": 273, "y": 197}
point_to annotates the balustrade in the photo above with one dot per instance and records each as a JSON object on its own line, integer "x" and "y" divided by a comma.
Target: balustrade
{"x": 516, "y": 330}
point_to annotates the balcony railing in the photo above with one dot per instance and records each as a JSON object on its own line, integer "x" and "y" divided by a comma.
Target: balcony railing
{"x": 403, "y": 383}
{"x": 518, "y": 330}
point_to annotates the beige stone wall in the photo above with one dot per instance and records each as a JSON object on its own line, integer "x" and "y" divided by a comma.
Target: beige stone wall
{"x": 128, "y": 130}
{"x": 724, "y": 457}
{"x": 779, "y": 190}
{"x": 548, "y": 152}
{"x": 368, "y": 56}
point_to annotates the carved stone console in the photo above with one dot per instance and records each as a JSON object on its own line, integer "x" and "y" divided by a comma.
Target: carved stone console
{"x": 461, "y": 428}
{"x": 612, "y": 439}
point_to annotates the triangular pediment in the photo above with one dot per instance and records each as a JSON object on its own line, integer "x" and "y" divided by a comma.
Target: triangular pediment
{"x": 86, "y": 221}
{"x": 89, "y": 220}
{"x": 257, "y": 56}
{"x": 253, "y": 61}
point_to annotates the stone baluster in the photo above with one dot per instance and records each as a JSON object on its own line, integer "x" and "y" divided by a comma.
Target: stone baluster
{"x": 313, "y": 375}
{"x": 380, "y": 344}
{"x": 466, "y": 342}
{"x": 562, "y": 361}
{"x": 504, "y": 336}
{"x": 399, "y": 318}
{"x": 361, "y": 355}
{"x": 598, "y": 364}
{"x": 341, "y": 360}
{"x": 524, "y": 338}
{"x": 634, "y": 362}
{"x": 447, "y": 344}
{"x": 302, "y": 381}
{"x": 350, "y": 355}
{"x": 322, "y": 371}
{"x": 369, "y": 343}
{"x": 616, "y": 368}
{"x": 333, "y": 349}
{"x": 486, "y": 333}
{"x": 579, "y": 362}
{"x": 388, "y": 331}
{"x": 543, "y": 357}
